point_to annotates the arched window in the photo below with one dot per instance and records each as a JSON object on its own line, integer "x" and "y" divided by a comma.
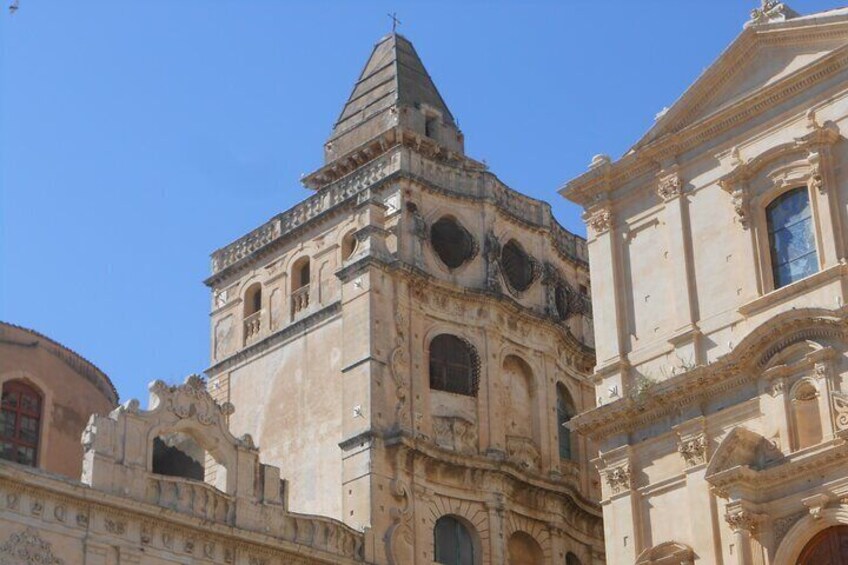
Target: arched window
{"x": 517, "y": 266}
{"x": 253, "y": 300}
{"x": 524, "y": 550}
{"x": 348, "y": 245}
{"x": 791, "y": 238}
{"x": 454, "y": 366}
{"x": 453, "y": 544}
{"x": 565, "y": 411}
{"x": 21, "y": 422}
{"x": 805, "y": 415}
{"x": 300, "y": 273}
{"x": 178, "y": 455}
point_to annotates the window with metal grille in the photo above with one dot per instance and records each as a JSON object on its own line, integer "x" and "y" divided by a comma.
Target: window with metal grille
{"x": 453, "y": 544}
{"x": 791, "y": 238}
{"x": 454, "y": 365}
{"x": 517, "y": 266}
{"x": 452, "y": 242}
{"x": 21, "y": 423}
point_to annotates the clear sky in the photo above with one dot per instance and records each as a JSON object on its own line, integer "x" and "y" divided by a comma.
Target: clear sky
{"x": 136, "y": 137}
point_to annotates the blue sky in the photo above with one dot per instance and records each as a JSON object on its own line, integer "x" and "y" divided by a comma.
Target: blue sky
{"x": 138, "y": 137}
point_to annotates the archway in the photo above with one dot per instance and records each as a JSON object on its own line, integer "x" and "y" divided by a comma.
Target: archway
{"x": 524, "y": 550}
{"x": 828, "y": 547}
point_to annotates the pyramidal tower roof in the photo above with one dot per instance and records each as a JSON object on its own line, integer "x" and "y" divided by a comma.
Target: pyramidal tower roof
{"x": 393, "y": 76}
{"x": 393, "y": 90}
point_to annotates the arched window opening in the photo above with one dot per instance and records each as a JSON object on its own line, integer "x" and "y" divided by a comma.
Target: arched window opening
{"x": 453, "y": 543}
{"x": 348, "y": 245}
{"x": 521, "y": 413}
{"x": 517, "y": 266}
{"x": 252, "y": 312}
{"x": 20, "y": 425}
{"x": 524, "y": 550}
{"x": 454, "y": 366}
{"x": 571, "y": 559}
{"x": 253, "y": 300}
{"x": 805, "y": 416}
{"x": 300, "y": 286}
{"x": 452, "y": 242}
{"x": 828, "y": 546}
{"x": 565, "y": 411}
{"x": 791, "y": 238}
{"x": 177, "y": 454}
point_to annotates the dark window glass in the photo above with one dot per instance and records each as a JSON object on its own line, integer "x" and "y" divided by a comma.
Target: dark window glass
{"x": 572, "y": 559}
{"x": 452, "y": 542}
{"x": 452, "y": 242}
{"x": 453, "y": 365}
{"x": 564, "y": 413}
{"x": 517, "y": 266}
{"x": 791, "y": 239}
{"x": 20, "y": 420}
{"x": 304, "y": 275}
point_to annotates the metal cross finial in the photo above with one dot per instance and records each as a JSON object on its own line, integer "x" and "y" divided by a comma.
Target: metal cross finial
{"x": 395, "y": 22}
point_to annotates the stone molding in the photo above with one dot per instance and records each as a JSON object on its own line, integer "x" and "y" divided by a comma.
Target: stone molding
{"x": 739, "y": 367}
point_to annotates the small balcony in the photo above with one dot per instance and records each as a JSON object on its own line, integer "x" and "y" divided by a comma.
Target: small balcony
{"x": 252, "y": 327}
{"x": 299, "y": 301}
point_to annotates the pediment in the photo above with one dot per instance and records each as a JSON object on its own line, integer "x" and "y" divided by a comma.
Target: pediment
{"x": 760, "y": 58}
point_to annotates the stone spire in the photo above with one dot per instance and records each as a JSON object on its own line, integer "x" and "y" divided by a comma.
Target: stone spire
{"x": 394, "y": 91}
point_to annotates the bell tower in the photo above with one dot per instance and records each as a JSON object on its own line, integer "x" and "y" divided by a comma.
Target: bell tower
{"x": 408, "y": 342}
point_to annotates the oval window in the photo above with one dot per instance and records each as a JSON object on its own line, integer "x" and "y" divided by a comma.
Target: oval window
{"x": 517, "y": 266}
{"x": 452, "y": 242}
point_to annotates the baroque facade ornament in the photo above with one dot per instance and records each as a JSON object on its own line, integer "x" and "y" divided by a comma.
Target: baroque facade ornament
{"x": 670, "y": 186}
{"x": 840, "y": 410}
{"x": 693, "y": 450}
{"x": 600, "y": 220}
{"x": 742, "y": 520}
{"x": 618, "y": 478}
{"x": 771, "y": 11}
{"x": 27, "y": 547}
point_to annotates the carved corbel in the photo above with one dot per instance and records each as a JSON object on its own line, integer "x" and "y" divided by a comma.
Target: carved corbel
{"x": 840, "y": 410}
{"x": 742, "y": 520}
{"x": 815, "y": 504}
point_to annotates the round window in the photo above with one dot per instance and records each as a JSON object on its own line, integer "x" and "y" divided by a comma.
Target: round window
{"x": 517, "y": 266}
{"x": 452, "y": 242}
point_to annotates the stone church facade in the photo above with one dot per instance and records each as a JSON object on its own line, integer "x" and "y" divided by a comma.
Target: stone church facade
{"x": 718, "y": 245}
{"x": 415, "y": 350}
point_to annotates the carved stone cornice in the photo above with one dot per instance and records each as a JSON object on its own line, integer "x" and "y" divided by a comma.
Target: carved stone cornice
{"x": 739, "y": 367}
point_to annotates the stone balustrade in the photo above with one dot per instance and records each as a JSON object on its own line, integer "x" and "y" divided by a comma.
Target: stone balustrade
{"x": 299, "y": 300}
{"x": 191, "y": 497}
{"x": 252, "y": 326}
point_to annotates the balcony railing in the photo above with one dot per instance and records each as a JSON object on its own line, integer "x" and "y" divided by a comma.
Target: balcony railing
{"x": 299, "y": 300}
{"x": 252, "y": 326}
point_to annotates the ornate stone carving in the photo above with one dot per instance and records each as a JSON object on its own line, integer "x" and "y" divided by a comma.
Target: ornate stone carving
{"x": 600, "y": 221}
{"x": 399, "y": 365}
{"x": 36, "y": 507}
{"x": 782, "y": 525}
{"x": 742, "y": 520}
{"x": 113, "y": 526}
{"x": 771, "y": 11}
{"x": 740, "y": 206}
{"x": 670, "y": 186}
{"x": 27, "y": 547}
{"x": 492, "y": 251}
{"x": 693, "y": 450}
{"x": 618, "y": 478}
{"x": 191, "y": 400}
{"x": 523, "y": 451}
{"x": 840, "y": 410}
{"x": 453, "y": 432}
{"x": 12, "y": 500}
{"x": 399, "y": 538}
